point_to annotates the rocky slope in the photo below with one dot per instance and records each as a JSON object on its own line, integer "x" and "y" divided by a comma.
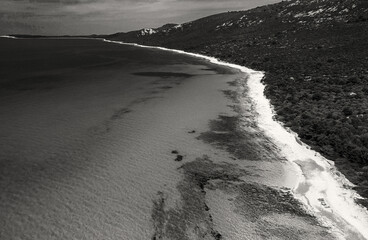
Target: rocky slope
{"x": 315, "y": 55}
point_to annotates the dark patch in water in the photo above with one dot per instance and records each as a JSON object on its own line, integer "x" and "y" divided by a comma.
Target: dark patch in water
{"x": 163, "y": 74}
{"x": 165, "y": 87}
{"x": 179, "y": 158}
{"x": 225, "y": 133}
{"x": 106, "y": 126}
{"x": 155, "y": 92}
{"x": 142, "y": 100}
{"x": 193, "y": 215}
{"x": 233, "y": 95}
{"x": 208, "y": 69}
{"x": 119, "y": 113}
{"x": 239, "y": 134}
{"x": 223, "y": 70}
{"x": 41, "y": 82}
{"x": 233, "y": 83}
{"x": 251, "y": 200}
{"x": 158, "y": 215}
{"x": 166, "y": 83}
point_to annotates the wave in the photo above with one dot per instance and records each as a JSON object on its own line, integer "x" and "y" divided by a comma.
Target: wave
{"x": 6, "y": 36}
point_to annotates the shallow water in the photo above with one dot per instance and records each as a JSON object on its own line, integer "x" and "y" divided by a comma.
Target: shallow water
{"x": 85, "y": 149}
{"x": 87, "y": 130}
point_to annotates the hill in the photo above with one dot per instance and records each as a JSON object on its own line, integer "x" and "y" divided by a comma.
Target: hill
{"x": 315, "y": 55}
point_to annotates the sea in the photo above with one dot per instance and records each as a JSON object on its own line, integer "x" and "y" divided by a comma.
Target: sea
{"x": 100, "y": 140}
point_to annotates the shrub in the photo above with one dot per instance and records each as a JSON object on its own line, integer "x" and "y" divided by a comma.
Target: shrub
{"x": 347, "y": 111}
{"x": 317, "y": 96}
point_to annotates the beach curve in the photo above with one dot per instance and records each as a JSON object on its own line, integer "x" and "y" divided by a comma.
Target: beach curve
{"x": 323, "y": 190}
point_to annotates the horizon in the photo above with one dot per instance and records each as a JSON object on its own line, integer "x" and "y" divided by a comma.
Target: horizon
{"x": 84, "y": 17}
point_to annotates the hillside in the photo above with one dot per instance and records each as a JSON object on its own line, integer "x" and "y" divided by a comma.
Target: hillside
{"x": 315, "y": 55}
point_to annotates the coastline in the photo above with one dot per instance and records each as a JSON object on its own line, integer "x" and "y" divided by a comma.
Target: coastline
{"x": 315, "y": 70}
{"x": 268, "y": 124}
{"x": 325, "y": 194}
{"x": 334, "y": 197}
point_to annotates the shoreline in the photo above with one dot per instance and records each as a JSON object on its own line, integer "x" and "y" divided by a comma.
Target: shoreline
{"x": 334, "y": 197}
{"x": 267, "y": 123}
{"x": 313, "y": 191}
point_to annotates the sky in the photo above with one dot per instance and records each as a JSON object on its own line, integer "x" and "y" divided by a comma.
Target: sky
{"x": 59, "y": 17}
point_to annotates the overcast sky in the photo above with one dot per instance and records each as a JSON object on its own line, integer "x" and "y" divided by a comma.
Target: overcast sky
{"x": 107, "y": 16}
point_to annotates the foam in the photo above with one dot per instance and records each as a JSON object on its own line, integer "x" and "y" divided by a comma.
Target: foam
{"x": 6, "y": 36}
{"x": 324, "y": 191}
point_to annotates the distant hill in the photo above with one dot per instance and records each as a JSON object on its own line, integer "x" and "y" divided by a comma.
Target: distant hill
{"x": 295, "y": 15}
{"x": 315, "y": 55}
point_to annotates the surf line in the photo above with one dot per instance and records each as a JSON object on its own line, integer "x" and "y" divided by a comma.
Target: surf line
{"x": 324, "y": 191}
{"x": 6, "y": 36}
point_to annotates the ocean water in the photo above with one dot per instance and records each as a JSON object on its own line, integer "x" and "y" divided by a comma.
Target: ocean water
{"x": 87, "y": 134}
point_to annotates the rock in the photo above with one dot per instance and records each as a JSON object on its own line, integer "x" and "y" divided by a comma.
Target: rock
{"x": 216, "y": 235}
{"x": 179, "y": 158}
{"x": 206, "y": 208}
{"x": 174, "y": 152}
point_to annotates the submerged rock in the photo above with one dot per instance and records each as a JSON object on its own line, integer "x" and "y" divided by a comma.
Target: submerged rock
{"x": 179, "y": 158}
